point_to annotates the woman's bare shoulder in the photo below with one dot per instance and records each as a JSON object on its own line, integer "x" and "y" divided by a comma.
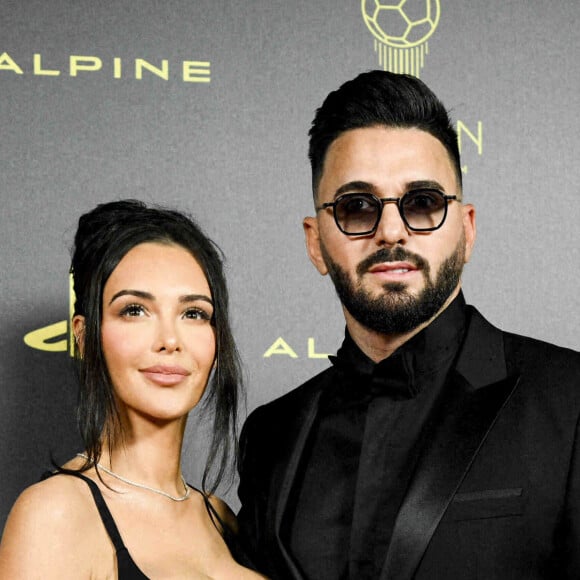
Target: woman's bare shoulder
{"x": 43, "y": 527}
{"x": 51, "y": 501}
{"x": 225, "y": 513}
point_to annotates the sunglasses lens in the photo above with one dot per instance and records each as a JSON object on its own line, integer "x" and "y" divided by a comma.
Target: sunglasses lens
{"x": 423, "y": 209}
{"x": 357, "y": 213}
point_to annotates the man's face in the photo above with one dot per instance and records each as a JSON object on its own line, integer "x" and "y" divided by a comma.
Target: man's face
{"x": 395, "y": 279}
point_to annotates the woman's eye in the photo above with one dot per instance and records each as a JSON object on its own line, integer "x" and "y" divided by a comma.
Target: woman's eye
{"x": 197, "y": 314}
{"x": 133, "y": 310}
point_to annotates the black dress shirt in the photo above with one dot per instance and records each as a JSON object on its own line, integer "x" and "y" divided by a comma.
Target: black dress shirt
{"x": 362, "y": 450}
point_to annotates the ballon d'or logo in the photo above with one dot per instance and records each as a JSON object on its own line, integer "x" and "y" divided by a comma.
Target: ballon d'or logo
{"x": 401, "y": 29}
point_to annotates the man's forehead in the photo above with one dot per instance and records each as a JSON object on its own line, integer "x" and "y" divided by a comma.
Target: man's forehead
{"x": 380, "y": 152}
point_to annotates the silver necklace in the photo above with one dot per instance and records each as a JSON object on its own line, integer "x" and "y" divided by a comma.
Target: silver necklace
{"x": 142, "y": 485}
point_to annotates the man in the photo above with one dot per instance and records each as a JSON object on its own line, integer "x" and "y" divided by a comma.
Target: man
{"x": 436, "y": 446}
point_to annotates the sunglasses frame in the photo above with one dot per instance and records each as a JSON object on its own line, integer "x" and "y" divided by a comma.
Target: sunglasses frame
{"x": 380, "y": 202}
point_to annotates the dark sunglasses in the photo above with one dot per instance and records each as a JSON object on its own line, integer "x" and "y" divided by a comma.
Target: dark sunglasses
{"x": 359, "y": 214}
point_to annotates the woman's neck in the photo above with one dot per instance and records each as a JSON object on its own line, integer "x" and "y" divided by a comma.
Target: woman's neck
{"x": 148, "y": 453}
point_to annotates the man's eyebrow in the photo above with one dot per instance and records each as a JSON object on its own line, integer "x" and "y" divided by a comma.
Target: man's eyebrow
{"x": 364, "y": 186}
{"x": 148, "y": 296}
{"x": 424, "y": 184}
{"x": 355, "y": 186}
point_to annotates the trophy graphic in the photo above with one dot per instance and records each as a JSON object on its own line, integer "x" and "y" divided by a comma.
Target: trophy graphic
{"x": 401, "y": 29}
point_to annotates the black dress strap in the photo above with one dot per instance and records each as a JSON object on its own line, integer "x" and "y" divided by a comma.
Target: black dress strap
{"x": 126, "y": 567}
{"x": 229, "y": 536}
{"x": 104, "y": 512}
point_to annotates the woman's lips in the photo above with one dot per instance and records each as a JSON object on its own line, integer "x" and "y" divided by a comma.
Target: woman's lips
{"x": 164, "y": 375}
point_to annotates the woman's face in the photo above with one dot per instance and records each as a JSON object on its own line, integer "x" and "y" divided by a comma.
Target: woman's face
{"x": 157, "y": 339}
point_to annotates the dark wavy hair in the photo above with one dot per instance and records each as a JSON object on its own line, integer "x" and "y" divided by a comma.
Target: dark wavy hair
{"x": 380, "y": 98}
{"x": 103, "y": 237}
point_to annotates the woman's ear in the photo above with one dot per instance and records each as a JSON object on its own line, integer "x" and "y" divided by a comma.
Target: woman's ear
{"x": 78, "y": 327}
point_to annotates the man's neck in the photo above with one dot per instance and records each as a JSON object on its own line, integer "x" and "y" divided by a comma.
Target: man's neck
{"x": 379, "y": 346}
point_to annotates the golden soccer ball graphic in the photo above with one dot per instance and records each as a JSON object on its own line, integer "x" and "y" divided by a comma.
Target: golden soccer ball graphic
{"x": 401, "y": 23}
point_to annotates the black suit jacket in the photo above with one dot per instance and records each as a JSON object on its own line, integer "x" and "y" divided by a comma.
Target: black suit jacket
{"x": 496, "y": 493}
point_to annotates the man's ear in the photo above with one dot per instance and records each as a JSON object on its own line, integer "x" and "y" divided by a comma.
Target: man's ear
{"x": 78, "y": 326}
{"x": 312, "y": 235}
{"x": 469, "y": 228}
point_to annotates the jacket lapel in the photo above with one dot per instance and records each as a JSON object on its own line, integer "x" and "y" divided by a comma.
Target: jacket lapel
{"x": 477, "y": 391}
{"x": 290, "y": 457}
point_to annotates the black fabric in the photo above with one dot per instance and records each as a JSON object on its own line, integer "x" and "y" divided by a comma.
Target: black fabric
{"x": 363, "y": 449}
{"x": 495, "y": 494}
{"x": 127, "y": 569}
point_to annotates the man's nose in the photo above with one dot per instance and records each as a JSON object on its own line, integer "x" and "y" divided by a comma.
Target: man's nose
{"x": 391, "y": 229}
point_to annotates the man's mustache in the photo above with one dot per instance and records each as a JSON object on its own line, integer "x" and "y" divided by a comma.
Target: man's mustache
{"x": 396, "y": 254}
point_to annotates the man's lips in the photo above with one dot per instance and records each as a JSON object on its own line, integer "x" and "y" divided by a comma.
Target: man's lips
{"x": 387, "y": 260}
{"x": 165, "y": 375}
{"x": 393, "y": 268}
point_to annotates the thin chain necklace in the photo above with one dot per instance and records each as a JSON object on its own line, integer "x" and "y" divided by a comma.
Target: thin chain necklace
{"x": 142, "y": 485}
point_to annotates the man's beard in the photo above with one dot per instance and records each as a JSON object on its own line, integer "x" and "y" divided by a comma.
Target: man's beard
{"x": 396, "y": 310}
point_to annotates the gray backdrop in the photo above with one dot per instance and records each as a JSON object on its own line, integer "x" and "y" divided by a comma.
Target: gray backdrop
{"x": 107, "y": 109}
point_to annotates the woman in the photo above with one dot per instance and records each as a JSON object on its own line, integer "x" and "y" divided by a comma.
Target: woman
{"x": 151, "y": 329}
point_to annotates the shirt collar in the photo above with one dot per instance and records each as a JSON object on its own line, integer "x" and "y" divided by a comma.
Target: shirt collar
{"x": 399, "y": 374}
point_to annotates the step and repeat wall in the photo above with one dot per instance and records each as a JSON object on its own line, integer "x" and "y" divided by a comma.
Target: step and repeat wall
{"x": 205, "y": 105}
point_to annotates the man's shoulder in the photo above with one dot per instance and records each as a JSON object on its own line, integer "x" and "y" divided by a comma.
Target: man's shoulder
{"x": 302, "y": 393}
{"x": 532, "y": 353}
{"x": 536, "y": 345}
{"x": 290, "y": 404}
{"x": 540, "y": 354}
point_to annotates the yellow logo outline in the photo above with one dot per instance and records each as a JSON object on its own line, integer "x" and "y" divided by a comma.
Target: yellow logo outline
{"x": 45, "y": 338}
{"x": 400, "y": 54}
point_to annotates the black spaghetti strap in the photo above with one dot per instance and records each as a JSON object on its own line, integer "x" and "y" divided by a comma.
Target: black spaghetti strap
{"x": 127, "y": 569}
{"x": 236, "y": 549}
{"x": 214, "y": 515}
{"x": 104, "y": 512}
{"x": 225, "y": 531}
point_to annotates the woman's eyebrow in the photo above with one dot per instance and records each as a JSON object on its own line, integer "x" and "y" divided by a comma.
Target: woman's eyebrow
{"x": 194, "y": 297}
{"x": 137, "y": 293}
{"x": 148, "y": 296}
